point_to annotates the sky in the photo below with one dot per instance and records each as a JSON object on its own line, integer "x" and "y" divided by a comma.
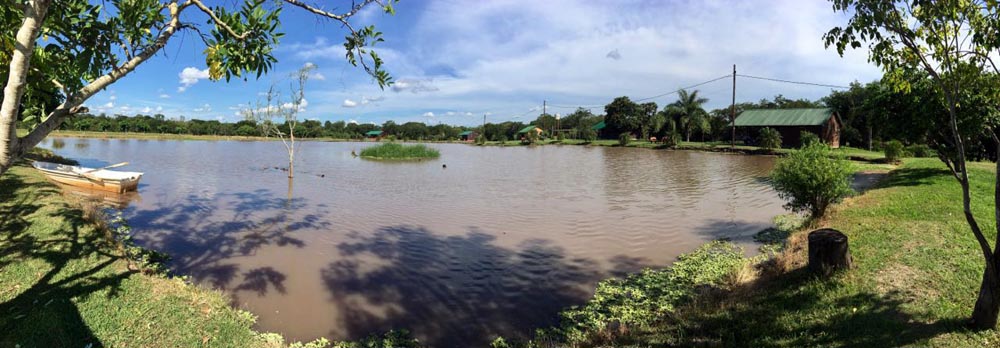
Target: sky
{"x": 455, "y": 61}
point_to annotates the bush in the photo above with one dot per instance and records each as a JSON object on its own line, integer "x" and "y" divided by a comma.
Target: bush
{"x": 399, "y": 151}
{"x": 769, "y": 139}
{"x": 672, "y": 138}
{"x": 530, "y": 138}
{"x": 481, "y": 139}
{"x": 893, "y": 151}
{"x": 919, "y": 150}
{"x": 812, "y": 179}
{"x": 624, "y": 139}
{"x": 809, "y": 138}
{"x": 588, "y": 134}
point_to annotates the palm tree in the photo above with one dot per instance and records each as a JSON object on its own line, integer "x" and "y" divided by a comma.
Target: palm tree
{"x": 688, "y": 112}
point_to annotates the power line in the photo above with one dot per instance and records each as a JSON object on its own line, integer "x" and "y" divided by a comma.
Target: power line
{"x": 792, "y": 82}
{"x": 648, "y": 98}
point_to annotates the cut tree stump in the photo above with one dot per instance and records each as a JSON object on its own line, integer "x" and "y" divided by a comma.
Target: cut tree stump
{"x": 828, "y": 251}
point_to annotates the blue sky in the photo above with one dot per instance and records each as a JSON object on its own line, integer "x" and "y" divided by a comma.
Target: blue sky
{"x": 455, "y": 61}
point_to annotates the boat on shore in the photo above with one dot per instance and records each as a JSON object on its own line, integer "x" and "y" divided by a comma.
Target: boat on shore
{"x": 90, "y": 178}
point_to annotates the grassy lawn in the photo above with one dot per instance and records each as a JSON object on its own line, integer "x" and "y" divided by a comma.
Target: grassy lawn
{"x": 916, "y": 276}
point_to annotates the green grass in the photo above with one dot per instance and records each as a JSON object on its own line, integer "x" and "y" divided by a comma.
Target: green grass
{"x": 64, "y": 284}
{"x": 916, "y": 276}
{"x": 394, "y": 151}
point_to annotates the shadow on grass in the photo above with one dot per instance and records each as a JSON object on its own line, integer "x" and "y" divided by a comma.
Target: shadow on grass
{"x": 51, "y": 266}
{"x": 458, "y": 290}
{"x": 798, "y": 311}
{"x": 913, "y": 177}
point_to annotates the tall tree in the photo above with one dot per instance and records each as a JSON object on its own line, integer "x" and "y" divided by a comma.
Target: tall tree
{"x": 92, "y": 47}
{"x": 952, "y": 42}
{"x": 622, "y": 115}
{"x": 688, "y": 112}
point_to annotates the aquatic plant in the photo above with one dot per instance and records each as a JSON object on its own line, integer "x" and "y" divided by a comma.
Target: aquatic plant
{"x": 399, "y": 151}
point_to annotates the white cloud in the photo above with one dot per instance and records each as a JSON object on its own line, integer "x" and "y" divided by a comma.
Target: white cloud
{"x": 428, "y": 114}
{"x": 108, "y": 105}
{"x": 318, "y": 76}
{"x": 366, "y": 100}
{"x": 190, "y": 76}
{"x": 147, "y": 110}
{"x": 205, "y": 108}
{"x": 164, "y": 96}
{"x": 353, "y": 121}
{"x": 349, "y": 103}
{"x": 159, "y": 108}
{"x": 113, "y": 97}
{"x": 413, "y": 85}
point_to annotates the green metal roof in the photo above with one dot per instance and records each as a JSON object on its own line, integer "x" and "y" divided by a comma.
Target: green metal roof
{"x": 599, "y": 126}
{"x": 374, "y": 132}
{"x": 783, "y": 117}
{"x": 527, "y": 129}
{"x": 465, "y": 133}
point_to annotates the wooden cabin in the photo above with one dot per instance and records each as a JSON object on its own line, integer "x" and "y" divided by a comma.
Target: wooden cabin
{"x": 468, "y": 135}
{"x": 790, "y": 123}
{"x": 531, "y": 128}
{"x": 374, "y": 135}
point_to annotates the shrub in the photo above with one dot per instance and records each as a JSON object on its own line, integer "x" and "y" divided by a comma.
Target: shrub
{"x": 559, "y": 137}
{"x": 893, "y": 151}
{"x": 919, "y": 150}
{"x": 399, "y": 151}
{"x": 672, "y": 138}
{"x": 481, "y": 139}
{"x": 809, "y": 138}
{"x": 588, "y": 134}
{"x": 769, "y": 138}
{"x": 530, "y": 138}
{"x": 624, "y": 139}
{"x": 812, "y": 179}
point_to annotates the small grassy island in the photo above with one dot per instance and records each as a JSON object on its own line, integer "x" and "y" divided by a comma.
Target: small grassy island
{"x": 393, "y": 151}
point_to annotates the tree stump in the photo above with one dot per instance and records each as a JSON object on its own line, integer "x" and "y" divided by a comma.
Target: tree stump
{"x": 828, "y": 251}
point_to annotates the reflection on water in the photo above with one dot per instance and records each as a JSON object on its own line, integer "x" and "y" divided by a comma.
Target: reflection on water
{"x": 496, "y": 243}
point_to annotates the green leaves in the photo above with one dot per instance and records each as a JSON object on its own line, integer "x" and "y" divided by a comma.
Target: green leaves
{"x": 812, "y": 179}
{"x": 242, "y": 43}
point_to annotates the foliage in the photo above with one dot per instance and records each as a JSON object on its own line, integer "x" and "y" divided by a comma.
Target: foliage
{"x": 687, "y": 112}
{"x": 893, "y": 151}
{"x": 769, "y": 139}
{"x": 812, "y": 179}
{"x": 919, "y": 151}
{"x": 645, "y": 298}
{"x": 624, "y": 139}
{"x": 588, "y": 134}
{"x": 399, "y": 151}
{"x": 480, "y": 139}
{"x": 808, "y": 138}
{"x": 530, "y": 138}
{"x": 622, "y": 115}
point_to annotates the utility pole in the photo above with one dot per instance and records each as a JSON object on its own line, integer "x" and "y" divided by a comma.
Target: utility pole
{"x": 732, "y": 116}
{"x": 543, "y": 107}
{"x": 483, "y": 131}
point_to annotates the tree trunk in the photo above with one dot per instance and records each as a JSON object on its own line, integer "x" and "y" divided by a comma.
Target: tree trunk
{"x": 828, "y": 251}
{"x": 20, "y": 61}
{"x": 984, "y": 315}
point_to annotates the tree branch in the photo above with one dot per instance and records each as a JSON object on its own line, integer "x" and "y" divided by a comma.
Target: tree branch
{"x": 218, "y": 22}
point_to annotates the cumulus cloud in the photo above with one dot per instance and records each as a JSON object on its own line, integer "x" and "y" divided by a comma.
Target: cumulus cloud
{"x": 108, "y": 105}
{"x": 428, "y": 114}
{"x": 205, "y": 108}
{"x": 366, "y": 99}
{"x": 164, "y": 96}
{"x": 190, "y": 76}
{"x": 147, "y": 110}
{"x": 349, "y": 103}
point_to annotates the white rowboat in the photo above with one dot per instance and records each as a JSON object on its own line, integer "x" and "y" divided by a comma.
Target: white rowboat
{"x": 90, "y": 178}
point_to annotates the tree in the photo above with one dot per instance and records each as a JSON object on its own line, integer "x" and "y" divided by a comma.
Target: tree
{"x": 92, "y": 47}
{"x": 622, "y": 115}
{"x": 951, "y": 42}
{"x": 265, "y": 113}
{"x": 812, "y": 179}
{"x": 687, "y": 112}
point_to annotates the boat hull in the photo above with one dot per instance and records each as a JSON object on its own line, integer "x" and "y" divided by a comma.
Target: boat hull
{"x": 116, "y": 185}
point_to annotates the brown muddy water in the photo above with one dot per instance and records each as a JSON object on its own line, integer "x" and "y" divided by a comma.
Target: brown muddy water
{"x": 495, "y": 244}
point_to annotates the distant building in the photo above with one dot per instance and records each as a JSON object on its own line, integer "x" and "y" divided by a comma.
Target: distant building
{"x": 790, "y": 123}
{"x": 374, "y": 135}
{"x": 468, "y": 135}
{"x": 530, "y": 128}
{"x": 599, "y": 129}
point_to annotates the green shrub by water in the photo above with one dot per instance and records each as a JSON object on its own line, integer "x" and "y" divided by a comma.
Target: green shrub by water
{"x": 893, "y": 151}
{"x": 624, "y": 139}
{"x": 399, "y": 151}
{"x": 769, "y": 139}
{"x": 812, "y": 179}
{"x": 807, "y": 138}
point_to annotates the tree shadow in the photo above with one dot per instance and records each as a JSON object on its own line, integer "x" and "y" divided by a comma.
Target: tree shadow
{"x": 797, "y": 311}
{"x": 64, "y": 263}
{"x": 458, "y": 290}
{"x": 205, "y": 235}
{"x": 741, "y": 232}
{"x": 913, "y": 177}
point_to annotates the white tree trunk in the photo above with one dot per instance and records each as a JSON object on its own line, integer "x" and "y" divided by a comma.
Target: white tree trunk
{"x": 34, "y": 15}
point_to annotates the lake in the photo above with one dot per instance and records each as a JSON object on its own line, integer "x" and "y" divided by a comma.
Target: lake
{"x": 495, "y": 244}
